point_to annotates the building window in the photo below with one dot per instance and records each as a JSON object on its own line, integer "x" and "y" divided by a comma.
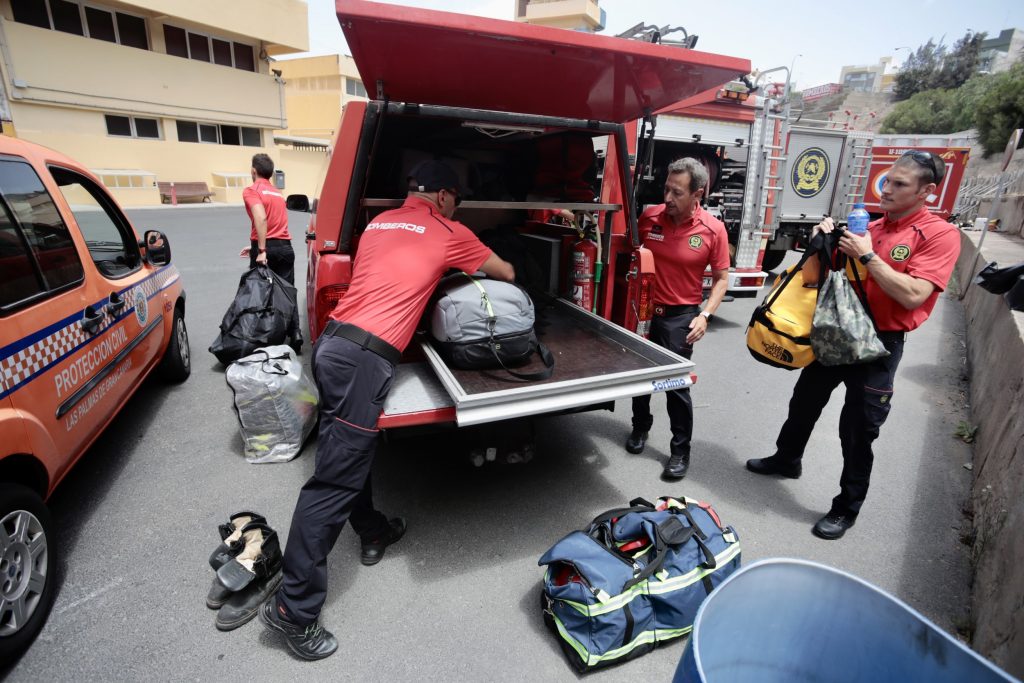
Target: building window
{"x": 204, "y": 48}
{"x": 132, "y": 127}
{"x": 223, "y": 134}
{"x": 354, "y": 87}
{"x": 83, "y": 20}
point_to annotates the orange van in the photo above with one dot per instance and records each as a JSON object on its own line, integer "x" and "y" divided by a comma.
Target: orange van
{"x": 87, "y": 311}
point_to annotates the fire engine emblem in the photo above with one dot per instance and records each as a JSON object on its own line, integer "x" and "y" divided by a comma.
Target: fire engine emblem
{"x": 141, "y": 306}
{"x": 696, "y": 241}
{"x": 810, "y": 172}
{"x": 900, "y": 252}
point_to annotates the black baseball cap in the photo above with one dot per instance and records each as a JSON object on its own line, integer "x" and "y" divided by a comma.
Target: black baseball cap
{"x": 431, "y": 176}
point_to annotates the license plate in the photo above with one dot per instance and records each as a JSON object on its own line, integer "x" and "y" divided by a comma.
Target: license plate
{"x": 707, "y": 283}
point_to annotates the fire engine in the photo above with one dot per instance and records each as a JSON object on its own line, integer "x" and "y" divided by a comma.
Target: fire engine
{"x": 525, "y": 147}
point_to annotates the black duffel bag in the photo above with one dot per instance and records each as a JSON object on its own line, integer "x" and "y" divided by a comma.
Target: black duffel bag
{"x": 259, "y": 316}
{"x": 480, "y": 324}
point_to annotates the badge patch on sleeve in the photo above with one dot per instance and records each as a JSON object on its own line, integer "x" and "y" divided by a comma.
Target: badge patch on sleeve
{"x": 696, "y": 241}
{"x": 900, "y": 252}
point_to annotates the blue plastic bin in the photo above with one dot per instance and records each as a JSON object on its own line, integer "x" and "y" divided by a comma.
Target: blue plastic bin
{"x": 792, "y": 620}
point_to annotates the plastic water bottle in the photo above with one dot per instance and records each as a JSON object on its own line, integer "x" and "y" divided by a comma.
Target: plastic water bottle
{"x": 857, "y": 221}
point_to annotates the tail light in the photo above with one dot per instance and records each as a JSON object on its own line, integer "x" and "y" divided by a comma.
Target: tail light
{"x": 750, "y": 281}
{"x": 326, "y": 299}
{"x": 645, "y": 305}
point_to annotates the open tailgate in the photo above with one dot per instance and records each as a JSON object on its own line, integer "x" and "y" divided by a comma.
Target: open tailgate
{"x": 456, "y": 60}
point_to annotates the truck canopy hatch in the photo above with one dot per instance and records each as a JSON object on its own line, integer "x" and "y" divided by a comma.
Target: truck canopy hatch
{"x": 431, "y": 57}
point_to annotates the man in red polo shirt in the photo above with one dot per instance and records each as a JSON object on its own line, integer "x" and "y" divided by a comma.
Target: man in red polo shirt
{"x": 400, "y": 259}
{"x": 909, "y": 255}
{"x": 685, "y": 240}
{"x": 269, "y": 239}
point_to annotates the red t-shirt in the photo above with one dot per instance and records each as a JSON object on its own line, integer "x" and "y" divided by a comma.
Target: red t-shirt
{"x": 921, "y": 245}
{"x": 682, "y": 253}
{"x": 262, "y": 192}
{"x": 402, "y": 255}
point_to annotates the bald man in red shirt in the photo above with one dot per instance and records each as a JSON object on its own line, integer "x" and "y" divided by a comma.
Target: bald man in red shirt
{"x": 685, "y": 240}
{"x": 909, "y": 255}
{"x": 401, "y": 256}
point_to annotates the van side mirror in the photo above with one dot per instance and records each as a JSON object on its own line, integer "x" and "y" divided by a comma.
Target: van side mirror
{"x": 297, "y": 202}
{"x": 156, "y": 247}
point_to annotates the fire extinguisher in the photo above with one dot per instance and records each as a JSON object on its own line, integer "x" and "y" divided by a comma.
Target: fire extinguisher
{"x": 584, "y": 258}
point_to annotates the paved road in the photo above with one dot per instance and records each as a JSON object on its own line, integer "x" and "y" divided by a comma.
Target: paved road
{"x": 457, "y": 598}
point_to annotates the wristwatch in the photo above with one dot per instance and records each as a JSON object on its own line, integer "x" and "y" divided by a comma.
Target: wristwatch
{"x": 707, "y": 315}
{"x": 864, "y": 258}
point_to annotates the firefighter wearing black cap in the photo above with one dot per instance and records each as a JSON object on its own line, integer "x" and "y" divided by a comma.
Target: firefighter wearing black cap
{"x": 402, "y": 255}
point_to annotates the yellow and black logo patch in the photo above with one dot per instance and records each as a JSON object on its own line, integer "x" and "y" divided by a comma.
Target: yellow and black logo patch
{"x": 900, "y": 252}
{"x": 810, "y": 172}
{"x": 696, "y": 241}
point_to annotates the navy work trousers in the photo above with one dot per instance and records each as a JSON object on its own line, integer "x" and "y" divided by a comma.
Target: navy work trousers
{"x": 869, "y": 390}
{"x": 670, "y": 332}
{"x": 353, "y": 383}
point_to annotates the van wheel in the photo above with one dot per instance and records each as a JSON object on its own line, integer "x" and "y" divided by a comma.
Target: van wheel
{"x": 176, "y": 365}
{"x": 773, "y": 259}
{"x": 28, "y": 558}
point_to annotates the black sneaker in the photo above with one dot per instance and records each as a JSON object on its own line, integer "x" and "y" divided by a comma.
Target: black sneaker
{"x": 832, "y": 526}
{"x": 373, "y": 551}
{"x": 676, "y": 467}
{"x": 309, "y": 642}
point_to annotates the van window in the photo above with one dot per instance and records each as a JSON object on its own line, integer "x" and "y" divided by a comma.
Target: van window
{"x": 32, "y": 234}
{"x": 20, "y": 278}
{"x": 110, "y": 240}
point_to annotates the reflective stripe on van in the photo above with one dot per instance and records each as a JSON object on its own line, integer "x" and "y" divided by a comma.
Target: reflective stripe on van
{"x": 24, "y": 360}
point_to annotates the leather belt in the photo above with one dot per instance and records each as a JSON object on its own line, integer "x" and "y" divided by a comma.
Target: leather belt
{"x": 666, "y": 311}
{"x": 892, "y": 336}
{"x": 365, "y": 339}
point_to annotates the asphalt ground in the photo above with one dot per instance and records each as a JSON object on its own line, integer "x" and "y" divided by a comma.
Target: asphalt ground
{"x": 457, "y": 598}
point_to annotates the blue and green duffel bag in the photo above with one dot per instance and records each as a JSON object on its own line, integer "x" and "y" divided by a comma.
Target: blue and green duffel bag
{"x": 634, "y": 578}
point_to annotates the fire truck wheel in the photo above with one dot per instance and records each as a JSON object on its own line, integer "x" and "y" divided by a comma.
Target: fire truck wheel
{"x": 28, "y": 561}
{"x": 773, "y": 259}
{"x": 176, "y": 365}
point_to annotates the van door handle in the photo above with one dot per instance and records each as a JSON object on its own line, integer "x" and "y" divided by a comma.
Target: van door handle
{"x": 92, "y": 318}
{"x": 117, "y": 302}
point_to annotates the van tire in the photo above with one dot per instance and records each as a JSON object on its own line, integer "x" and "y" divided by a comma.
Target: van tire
{"x": 21, "y": 507}
{"x": 176, "y": 364}
{"x": 773, "y": 259}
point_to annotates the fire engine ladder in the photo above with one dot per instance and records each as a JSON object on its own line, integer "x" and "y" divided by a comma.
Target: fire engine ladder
{"x": 857, "y": 163}
{"x": 766, "y": 169}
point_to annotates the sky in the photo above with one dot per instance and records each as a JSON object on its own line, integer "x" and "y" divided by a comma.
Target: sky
{"x": 817, "y": 38}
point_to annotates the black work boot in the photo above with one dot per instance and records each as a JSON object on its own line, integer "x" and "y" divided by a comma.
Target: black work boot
{"x": 373, "y": 551}
{"x": 676, "y": 467}
{"x": 832, "y": 526}
{"x": 241, "y": 607}
{"x": 776, "y": 465}
{"x": 309, "y": 642}
{"x": 218, "y": 595}
{"x": 636, "y": 441}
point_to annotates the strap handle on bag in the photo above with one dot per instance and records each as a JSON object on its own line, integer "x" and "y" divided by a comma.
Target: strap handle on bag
{"x": 667, "y": 535}
{"x": 816, "y": 246}
{"x": 546, "y": 356}
{"x": 839, "y": 264}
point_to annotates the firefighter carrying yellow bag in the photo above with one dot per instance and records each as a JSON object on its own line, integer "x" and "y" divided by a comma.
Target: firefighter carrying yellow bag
{"x": 780, "y": 328}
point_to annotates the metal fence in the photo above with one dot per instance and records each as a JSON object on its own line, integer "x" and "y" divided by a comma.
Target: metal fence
{"x": 974, "y": 191}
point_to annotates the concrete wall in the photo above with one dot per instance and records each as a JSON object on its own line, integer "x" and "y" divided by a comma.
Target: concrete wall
{"x": 995, "y": 352}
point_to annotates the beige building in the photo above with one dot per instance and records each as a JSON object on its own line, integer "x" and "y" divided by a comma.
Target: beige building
{"x": 868, "y": 78}
{"x": 576, "y": 15}
{"x": 154, "y": 90}
{"x": 316, "y": 88}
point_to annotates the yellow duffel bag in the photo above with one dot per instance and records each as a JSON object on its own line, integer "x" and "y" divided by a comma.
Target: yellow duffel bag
{"x": 780, "y": 328}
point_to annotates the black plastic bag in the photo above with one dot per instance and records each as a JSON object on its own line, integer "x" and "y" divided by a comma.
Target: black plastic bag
{"x": 999, "y": 280}
{"x": 260, "y": 315}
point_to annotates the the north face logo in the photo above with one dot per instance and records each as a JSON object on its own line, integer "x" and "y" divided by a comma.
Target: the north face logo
{"x": 777, "y": 352}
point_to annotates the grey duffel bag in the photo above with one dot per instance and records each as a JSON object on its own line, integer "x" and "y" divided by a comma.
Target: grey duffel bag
{"x": 480, "y": 324}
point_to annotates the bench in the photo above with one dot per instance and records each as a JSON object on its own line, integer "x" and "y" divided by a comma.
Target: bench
{"x": 192, "y": 190}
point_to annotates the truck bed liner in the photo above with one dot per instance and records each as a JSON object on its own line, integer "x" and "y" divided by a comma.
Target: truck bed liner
{"x": 595, "y": 361}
